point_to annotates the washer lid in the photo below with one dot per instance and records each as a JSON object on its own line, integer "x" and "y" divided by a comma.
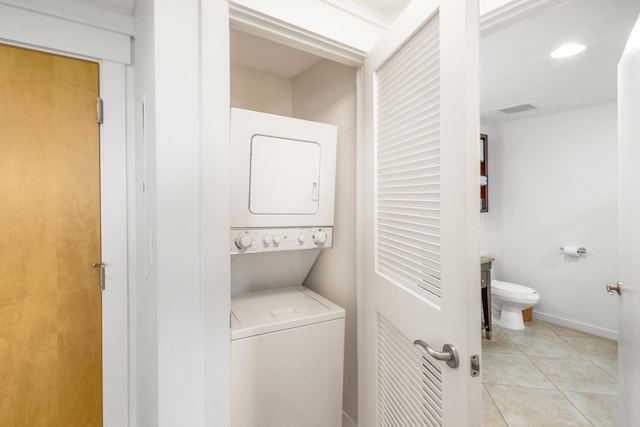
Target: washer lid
{"x": 512, "y": 287}
{"x": 262, "y": 312}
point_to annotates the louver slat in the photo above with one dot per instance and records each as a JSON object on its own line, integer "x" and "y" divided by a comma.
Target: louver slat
{"x": 433, "y": 247}
{"x": 408, "y": 173}
{"x": 415, "y": 162}
{"x": 412, "y": 218}
{"x": 405, "y": 143}
{"x": 409, "y": 388}
{"x": 425, "y": 88}
{"x": 424, "y": 51}
{"x": 409, "y": 251}
{"x": 425, "y": 170}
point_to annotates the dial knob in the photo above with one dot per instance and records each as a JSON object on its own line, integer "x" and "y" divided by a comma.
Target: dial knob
{"x": 320, "y": 237}
{"x": 243, "y": 241}
{"x": 276, "y": 239}
{"x": 266, "y": 240}
{"x": 301, "y": 238}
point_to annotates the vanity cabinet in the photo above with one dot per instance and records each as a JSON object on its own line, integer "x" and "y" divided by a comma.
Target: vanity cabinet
{"x": 485, "y": 287}
{"x": 484, "y": 175}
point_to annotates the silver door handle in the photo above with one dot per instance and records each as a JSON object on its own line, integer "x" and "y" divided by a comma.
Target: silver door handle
{"x": 448, "y": 354}
{"x": 614, "y": 288}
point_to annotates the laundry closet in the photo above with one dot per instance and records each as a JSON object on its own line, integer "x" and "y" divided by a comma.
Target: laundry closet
{"x": 267, "y": 77}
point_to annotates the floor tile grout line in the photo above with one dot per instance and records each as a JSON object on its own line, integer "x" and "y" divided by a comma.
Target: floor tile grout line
{"x": 531, "y": 361}
{"x": 578, "y": 360}
{"x": 563, "y": 392}
{"x": 529, "y": 388}
{"x": 577, "y": 409}
{"x": 496, "y": 405}
{"x": 543, "y": 374}
{"x": 547, "y": 377}
{"x": 588, "y": 357}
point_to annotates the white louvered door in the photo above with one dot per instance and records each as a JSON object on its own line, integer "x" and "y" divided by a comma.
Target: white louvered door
{"x": 422, "y": 211}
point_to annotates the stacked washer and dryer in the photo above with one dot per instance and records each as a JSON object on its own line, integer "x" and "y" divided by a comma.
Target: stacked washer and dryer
{"x": 287, "y": 341}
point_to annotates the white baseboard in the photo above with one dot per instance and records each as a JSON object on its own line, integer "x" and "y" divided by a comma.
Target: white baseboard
{"x": 347, "y": 421}
{"x": 584, "y": 327}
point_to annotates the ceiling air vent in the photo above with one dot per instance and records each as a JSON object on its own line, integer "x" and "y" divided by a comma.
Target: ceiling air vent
{"x": 519, "y": 108}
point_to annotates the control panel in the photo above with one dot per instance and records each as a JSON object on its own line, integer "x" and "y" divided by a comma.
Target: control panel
{"x": 253, "y": 240}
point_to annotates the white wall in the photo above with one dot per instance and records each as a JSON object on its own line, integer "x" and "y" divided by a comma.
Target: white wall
{"x": 553, "y": 182}
{"x": 183, "y": 296}
{"x": 146, "y": 328}
{"x": 258, "y": 90}
{"x": 326, "y": 92}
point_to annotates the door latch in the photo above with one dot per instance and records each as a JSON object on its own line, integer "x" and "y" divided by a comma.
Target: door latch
{"x": 474, "y": 366}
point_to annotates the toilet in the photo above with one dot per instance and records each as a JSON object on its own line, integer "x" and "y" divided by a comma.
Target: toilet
{"x": 507, "y": 302}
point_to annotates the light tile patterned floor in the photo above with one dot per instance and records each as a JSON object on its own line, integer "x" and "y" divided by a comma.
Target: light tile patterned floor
{"x": 548, "y": 375}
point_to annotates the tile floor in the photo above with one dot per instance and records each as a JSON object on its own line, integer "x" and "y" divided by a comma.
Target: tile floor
{"x": 548, "y": 375}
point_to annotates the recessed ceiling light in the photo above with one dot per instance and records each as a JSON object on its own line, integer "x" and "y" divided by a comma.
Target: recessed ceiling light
{"x": 568, "y": 50}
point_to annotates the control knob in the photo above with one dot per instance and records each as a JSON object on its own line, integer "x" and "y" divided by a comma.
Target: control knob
{"x": 243, "y": 241}
{"x": 266, "y": 240}
{"x": 276, "y": 240}
{"x": 320, "y": 237}
{"x": 301, "y": 238}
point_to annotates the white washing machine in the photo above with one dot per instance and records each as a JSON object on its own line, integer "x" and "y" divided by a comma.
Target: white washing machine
{"x": 286, "y": 359}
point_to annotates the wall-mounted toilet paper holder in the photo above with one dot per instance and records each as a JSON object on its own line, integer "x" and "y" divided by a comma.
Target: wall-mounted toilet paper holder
{"x": 581, "y": 251}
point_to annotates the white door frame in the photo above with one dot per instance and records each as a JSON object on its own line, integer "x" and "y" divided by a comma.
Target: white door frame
{"x": 38, "y": 31}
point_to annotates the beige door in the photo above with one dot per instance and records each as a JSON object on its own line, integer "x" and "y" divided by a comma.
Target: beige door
{"x": 50, "y": 300}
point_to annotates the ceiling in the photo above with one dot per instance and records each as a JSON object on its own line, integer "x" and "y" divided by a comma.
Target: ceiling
{"x": 378, "y": 11}
{"x": 256, "y": 52}
{"x": 515, "y": 66}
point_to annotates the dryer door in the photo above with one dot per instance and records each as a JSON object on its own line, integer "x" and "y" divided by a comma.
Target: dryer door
{"x": 285, "y": 176}
{"x": 282, "y": 171}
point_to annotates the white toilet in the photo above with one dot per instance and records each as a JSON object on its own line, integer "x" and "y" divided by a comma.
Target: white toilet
{"x": 507, "y": 302}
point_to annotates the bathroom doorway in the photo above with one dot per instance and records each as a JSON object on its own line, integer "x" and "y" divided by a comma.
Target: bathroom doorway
{"x": 552, "y": 135}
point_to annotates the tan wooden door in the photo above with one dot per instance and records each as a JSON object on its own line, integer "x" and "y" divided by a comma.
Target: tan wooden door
{"x": 50, "y": 301}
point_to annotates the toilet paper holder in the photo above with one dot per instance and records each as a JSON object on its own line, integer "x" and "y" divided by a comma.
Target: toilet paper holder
{"x": 581, "y": 250}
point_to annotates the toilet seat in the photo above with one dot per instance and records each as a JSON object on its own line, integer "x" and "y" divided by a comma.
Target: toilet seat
{"x": 511, "y": 290}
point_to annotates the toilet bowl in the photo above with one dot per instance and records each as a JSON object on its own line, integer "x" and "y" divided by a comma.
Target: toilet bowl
{"x": 508, "y": 300}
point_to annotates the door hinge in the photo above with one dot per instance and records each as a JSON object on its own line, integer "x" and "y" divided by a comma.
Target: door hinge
{"x": 99, "y": 111}
{"x": 100, "y": 266}
{"x": 474, "y": 366}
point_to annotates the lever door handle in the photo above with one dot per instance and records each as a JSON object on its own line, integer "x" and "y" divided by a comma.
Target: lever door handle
{"x": 614, "y": 288}
{"x": 448, "y": 354}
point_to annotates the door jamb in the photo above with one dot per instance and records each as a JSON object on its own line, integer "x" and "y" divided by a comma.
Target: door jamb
{"x": 261, "y": 25}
